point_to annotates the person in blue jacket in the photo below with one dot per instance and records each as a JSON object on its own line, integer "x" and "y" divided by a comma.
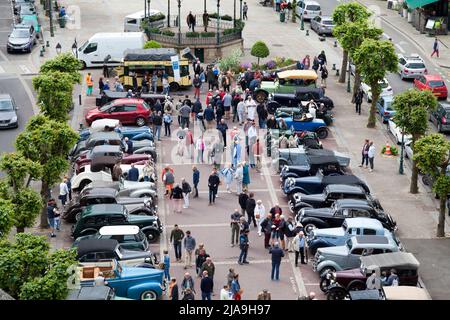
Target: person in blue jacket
{"x": 195, "y": 180}
{"x": 133, "y": 174}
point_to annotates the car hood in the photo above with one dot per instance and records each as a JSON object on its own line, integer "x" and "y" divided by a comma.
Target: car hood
{"x": 312, "y": 198}
{"x": 329, "y": 232}
{"x": 351, "y": 273}
{"x": 333, "y": 251}
{"x": 322, "y": 212}
{"x": 93, "y": 111}
{"x": 134, "y": 254}
{"x": 7, "y": 115}
{"x": 130, "y": 272}
{"x": 135, "y": 185}
{"x": 136, "y": 218}
{"x": 268, "y": 85}
{"x": 18, "y": 41}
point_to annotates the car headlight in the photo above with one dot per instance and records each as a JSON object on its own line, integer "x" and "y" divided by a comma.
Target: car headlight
{"x": 13, "y": 119}
{"x": 291, "y": 182}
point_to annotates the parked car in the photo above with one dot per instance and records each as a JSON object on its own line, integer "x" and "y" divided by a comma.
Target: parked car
{"x": 125, "y": 188}
{"x": 19, "y": 3}
{"x": 433, "y": 83}
{"x": 109, "y": 96}
{"x": 94, "y": 217}
{"x": 93, "y": 250}
{"x": 410, "y": 67}
{"x": 408, "y": 150}
{"x": 129, "y": 237}
{"x": 92, "y": 293}
{"x": 343, "y": 281}
{"x": 384, "y": 108}
{"x": 330, "y": 237}
{"x": 307, "y": 123}
{"x": 286, "y": 112}
{"x": 308, "y": 9}
{"x": 347, "y": 256}
{"x": 341, "y": 209}
{"x": 404, "y": 293}
{"x": 441, "y": 117}
{"x": 21, "y": 39}
{"x": 128, "y": 282}
{"x": 106, "y": 125}
{"x": 8, "y": 112}
{"x": 143, "y": 206}
{"x": 31, "y": 20}
{"x": 27, "y": 9}
{"x": 323, "y": 25}
{"x": 397, "y": 133}
{"x": 286, "y": 82}
{"x": 128, "y": 111}
{"x": 302, "y": 94}
{"x": 386, "y": 89}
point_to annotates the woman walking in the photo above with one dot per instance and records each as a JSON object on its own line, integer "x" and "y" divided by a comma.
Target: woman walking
{"x": 177, "y": 196}
{"x": 245, "y": 176}
{"x": 239, "y": 176}
{"x": 227, "y": 173}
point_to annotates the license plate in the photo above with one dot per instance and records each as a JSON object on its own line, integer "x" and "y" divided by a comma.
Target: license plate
{"x": 4, "y": 124}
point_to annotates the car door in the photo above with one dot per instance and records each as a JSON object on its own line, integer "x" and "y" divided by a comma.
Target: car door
{"x": 420, "y": 83}
{"x": 130, "y": 113}
{"x": 380, "y": 106}
{"x": 353, "y": 258}
{"x": 315, "y": 23}
{"x": 117, "y": 112}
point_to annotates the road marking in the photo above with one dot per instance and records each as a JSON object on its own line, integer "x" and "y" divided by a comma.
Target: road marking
{"x": 400, "y": 48}
{"x": 24, "y": 68}
{"x": 226, "y": 192}
{"x": 200, "y": 225}
{"x": 386, "y": 36}
{"x": 233, "y": 262}
{"x": 2, "y": 70}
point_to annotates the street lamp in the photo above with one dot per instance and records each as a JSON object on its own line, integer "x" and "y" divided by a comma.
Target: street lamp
{"x": 75, "y": 48}
{"x": 204, "y": 6}
{"x": 240, "y": 10}
{"x": 50, "y": 14}
{"x": 348, "y": 80}
{"x": 168, "y": 13}
{"x": 148, "y": 8}
{"x": 145, "y": 10}
{"x": 400, "y": 169}
{"x": 302, "y": 22}
{"x": 179, "y": 22}
{"x": 234, "y": 14}
{"x": 218, "y": 21}
{"x": 58, "y": 48}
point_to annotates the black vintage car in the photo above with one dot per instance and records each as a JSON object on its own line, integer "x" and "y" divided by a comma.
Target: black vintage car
{"x": 341, "y": 209}
{"x": 144, "y": 206}
{"x": 109, "y": 95}
{"x": 330, "y": 194}
{"x": 304, "y": 94}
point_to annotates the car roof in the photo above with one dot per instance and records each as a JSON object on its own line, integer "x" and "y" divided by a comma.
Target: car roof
{"x": 89, "y": 245}
{"x": 393, "y": 259}
{"x": 106, "y": 148}
{"x": 103, "y": 209}
{"x": 24, "y": 24}
{"x": 327, "y": 18}
{"x": 363, "y": 222}
{"x": 5, "y": 96}
{"x": 445, "y": 105}
{"x": 345, "y": 188}
{"x": 321, "y": 156}
{"x": 356, "y": 203}
{"x": 127, "y": 100}
{"x": 100, "y": 192}
{"x": 343, "y": 179}
{"x": 119, "y": 230}
{"x": 298, "y": 74}
{"x": 405, "y": 293}
{"x": 411, "y": 57}
{"x": 101, "y": 135}
{"x": 387, "y": 98}
{"x": 370, "y": 239}
{"x": 431, "y": 77}
{"x": 312, "y": 2}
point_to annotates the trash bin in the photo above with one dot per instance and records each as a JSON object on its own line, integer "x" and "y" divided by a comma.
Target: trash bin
{"x": 62, "y": 22}
{"x": 282, "y": 16}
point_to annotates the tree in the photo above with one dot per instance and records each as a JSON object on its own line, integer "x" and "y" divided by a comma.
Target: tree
{"x": 412, "y": 109}
{"x": 54, "y": 91}
{"x": 432, "y": 155}
{"x": 230, "y": 62}
{"x": 47, "y": 142}
{"x": 348, "y": 12}
{"x": 152, "y": 44}
{"x": 66, "y": 63}
{"x": 374, "y": 58}
{"x": 260, "y": 50}
{"x": 351, "y": 35}
{"x": 294, "y": 8}
{"x": 6, "y": 214}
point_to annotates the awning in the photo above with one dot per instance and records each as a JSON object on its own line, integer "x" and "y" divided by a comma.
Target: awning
{"x": 418, "y": 3}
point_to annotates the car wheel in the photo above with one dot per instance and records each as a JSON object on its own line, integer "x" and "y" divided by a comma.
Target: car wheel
{"x": 83, "y": 184}
{"x": 140, "y": 122}
{"x": 149, "y": 295}
{"x": 83, "y": 65}
{"x": 426, "y": 179}
{"x": 326, "y": 270}
{"x": 151, "y": 235}
{"x": 324, "y": 284}
{"x": 356, "y": 285}
{"x": 174, "y": 86}
{"x": 309, "y": 228}
{"x": 322, "y": 133}
{"x": 78, "y": 215}
{"x": 88, "y": 232}
{"x": 261, "y": 96}
{"x": 336, "y": 294}
{"x": 291, "y": 206}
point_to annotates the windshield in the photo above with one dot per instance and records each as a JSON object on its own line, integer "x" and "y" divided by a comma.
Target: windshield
{"x": 436, "y": 83}
{"x": 6, "y": 105}
{"x": 20, "y": 33}
{"x": 415, "y": 66}
{"x": 328, "y": 22}
{"x": 105, "y": 107}
{"x": 384, "y": 85}
{"x": 313, "y": 7}
{"x": 388, "y": 105}
{"x": 83, "y": 46}
{"x": 349, "y": 244}
{"x": 145, "y": 105}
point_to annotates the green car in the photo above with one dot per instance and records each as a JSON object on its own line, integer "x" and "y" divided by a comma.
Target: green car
{"x": 286, "y": 82}
{"x": 33, "y": 20}
{"x": 93, "y": 217}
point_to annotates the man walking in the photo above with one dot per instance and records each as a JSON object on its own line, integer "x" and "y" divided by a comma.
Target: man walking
{"x": 223, "y": 127}
{"x": 195, "y": 180}
{"x": 190, "y": 20}
{"x": 299, "y": 243}
{"x": 358, "y": 100}
{"x": 157, "y": 122}
{"x": 63, "y": 192}
{"x": 435, "y": 47}
{"x": 209, "y": 267}
{"x": 277, "y": 254}
{"x": 189, "y": 247}
{"x": 213, "y": 184}
{"x": 244, "y": 11}
{"x": 243, "y": 245}
{"x": 243, "y": 197}
{"x": 364, "y": 153}
{"x": 250, "y": 208}
{"x": 371, "y": 155}
{"x": 234, "y": 224}
{"x": 186, "y": 187}
{"x": 176, "y": 236}
{"x": 206, "y": 286}
{"x": 266, "y": 227}
{"x": 185, "y": 112}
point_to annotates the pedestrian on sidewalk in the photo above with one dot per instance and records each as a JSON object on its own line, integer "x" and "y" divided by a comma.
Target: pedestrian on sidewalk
{"x": 234, "y": 224}
{"x": 245, "y": 176}
{"x": 101, "y": 85}
{"x": 169, "y": 179}
{"x": 206, "y": 286}
{"x": 238, "y": 177}
{"x": 435, "y": 47}
{"x": 157, "y": 122}
{"x": 236, "y": 151}
{"x": 197, "y": 85}
{"x": 242, "y": 199}
{"x": 243, "y": 224}
{"x": 257, "y": 151}
{"x": 177, "y": 196}
{"x": 200, "y": 260}
{"x": 176, "y": 237}
{"x": 306, "y": 62}
{"x": 322, "y": 59}
{"x": 261, "y": 110}
{"x": 173, "y": 289}
{"x": 188, "y": 295}
{"x": 166, "y": 260}
{"x": 223, "y": 127}
{"x": 186, "y": 187}
{"x": 227, "y": 102}
{"x": 290, "y": 233}
{"x": 225, "y": 293}
{"x": 235, "y": 286}
{"x": 63, "y": 192}
{"x": 250, "y": 208}
{"x": 266, "y": 227}
{"x": 167, "y": 119}
{"x": 166, "y": 86}
{"x": 189, "y": 247}
{"x": 373, "y": 281}
{"x": 324, "y": 76}
{"x": 148, "y": 170}
{"x": 365, "y": 153}
{"x": 213, "y": 184}
{"x": 275, "y": 236}
{"x": 200, "y": 148}
{"x": 260, "y": 214}
{"x": 371, "y": 155}
{"x": 209, "y": 266}
{"x": 89, "y": 84}
{"x": 316, "y": 64}
{"x": 228, "y": 173}
{"x": 277, "y": 254}
{"x": 191, "y": 21}
{"x": 243, "y": 245}
{"x": 51, "y": 213}
{"x": 244, "y": 11}
{"x": 358, "y": 100}
{"x": 300, "y": 247}
{"x": 283, "y": 230}
{"x": 240, "y": 108}
{"x": 195, "y": 180}
{"x": 230, "y": 276}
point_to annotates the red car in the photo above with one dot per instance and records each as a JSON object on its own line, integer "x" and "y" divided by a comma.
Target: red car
{"x": 128, "y": 111}
{"x": 434, "y": 83}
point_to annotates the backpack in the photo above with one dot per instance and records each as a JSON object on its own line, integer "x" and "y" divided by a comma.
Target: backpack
{"x": 170, "y": 179}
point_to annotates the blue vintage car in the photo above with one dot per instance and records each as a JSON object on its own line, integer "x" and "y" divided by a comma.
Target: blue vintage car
{"x": 133, "y": 133}
{"x": 129, "y": 282}
{"x": 306, "y": 123}
{"x": 330, "y": 237}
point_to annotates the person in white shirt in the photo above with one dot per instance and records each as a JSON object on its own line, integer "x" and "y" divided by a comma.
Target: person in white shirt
{"x": 225, "y": 293}
{"x": 252, "y": 136}
{"x": 312, "y": 110}
{"x": 260, "y": 214}
{"x": 63, "y": 191}
{"x": 241, "y": 111}
{"x": 250, "y": 104}
{"x": 374, "y": 281}
{"x": 371, "y": 154}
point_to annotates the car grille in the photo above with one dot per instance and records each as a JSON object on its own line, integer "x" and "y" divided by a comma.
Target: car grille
{"x": 4, "y": 121}
{"x": 315, "y": 261}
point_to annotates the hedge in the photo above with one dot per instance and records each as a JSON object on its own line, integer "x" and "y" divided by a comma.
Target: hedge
{"x": 157, "y": 17}
{"x": 192, "y": 34}
{"x": 207, "y": 34}
{"x": 168, "y": 33}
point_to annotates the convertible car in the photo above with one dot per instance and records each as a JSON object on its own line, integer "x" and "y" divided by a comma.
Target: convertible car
{"x": 305, "y": 122}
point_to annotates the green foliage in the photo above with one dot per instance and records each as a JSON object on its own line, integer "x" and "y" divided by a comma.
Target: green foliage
{"x": 54, "y": 89}
{"x": 351, "y": 34}
{"x": 27, "y": 206}
{"x": 294, "y": 16}
{"x": 64, "y": 62}
{"x": 19, "y": 170}
{"x": 231, "y": 62}
{"x": 227, "y": 17}
{"x": 152, "y": 44}
{"x": 239, "y": 24}
{"x": 207, "y": 34}
{"x": 168, "y": 33}
{"x": 192, "y": 34}
{"x": 153, "y": 30}
{"x": 260, "y": 50}
{"x": 351, "y": 11}
{"x": 213, "y": 15}
{"x": 231, "y": 31}
{"x": 157, "y": 17}
{"x": 394, "y": 150}
{"x": 374, "y": 58}
{"x": 6, "y": 214}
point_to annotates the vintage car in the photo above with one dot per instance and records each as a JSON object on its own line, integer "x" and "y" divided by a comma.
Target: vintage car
{"x": 92, "y": 293}
{"x": 304, "y": 138}
{"x": 93, "y": 217}
{"x": 295, "y": 112}
{"x": 286, "y": 82}
{"x": 300, "y": 157}
{"x": 126, "y": 188}
{"x": 144, "y": 206}
{"x": 295, "y": 99}
{"x": 404, "y": 293}
{"x": 347, "y": 256}
{"x": 128, "y": 282}
{"x": 330, "y": 237}
{"x": 305, "y": 122}
{"x": 341, "y": 209}
{"x": 316, "y": 184}
{"x": 340, "y": 282}
{"x": 129, "y": 237}
{"x": 92, "y": 250}
{"x": 108, "y": 125}
{"x": 109, "y": 95}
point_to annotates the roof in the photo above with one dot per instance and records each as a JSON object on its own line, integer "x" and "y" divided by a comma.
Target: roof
{"x": 91, "y": 245}
{"x": 105, "y": 208}
{"x": 159, "y": 54}
{"x": 110, "y": 135}
{"x": 100, "y": 192}
{"x": 106, "y": 148}
{"x": 321, "y": 156}
{"x": 411, "y": 57}
{"x": 371, "y": 239}
{"x": 141, "y": 14}
{"x": 100, "y": 124}
{"x": 127, "y": 100}
{"x": 308, "y": 89}
{"x": 115, "y": 35}
{"x": 118, "y": 230}
{"x": 298, "y": 74}
{"x": 393, "y": 259}
{"x": 432, "y": 77}
{"x": 343, "y": 179}
{"x": 405, "y": 293}
{"x": 345, "y": 188}
{"x": 348, "y": 203}
{"x": 366, "y": 222}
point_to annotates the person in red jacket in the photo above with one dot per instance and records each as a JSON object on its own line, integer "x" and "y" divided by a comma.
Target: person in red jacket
{"x": 209, "y": 96}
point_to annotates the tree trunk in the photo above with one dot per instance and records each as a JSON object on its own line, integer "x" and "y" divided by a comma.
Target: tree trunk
{"x": 45, "y": 194}
{"x": 356, "y": 84}
{"x": 343, "y": 67}
{"x": 20, "y": 229}
{"x": 372, "y": 113}
{"x": 414, "y": 188}
{"x": 441, "y": 221}
{"x": 258, "y": 62}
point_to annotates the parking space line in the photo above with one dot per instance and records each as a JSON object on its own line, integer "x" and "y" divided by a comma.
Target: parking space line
{"x": 233, "y": 262}
{"x": 400, "y": 48}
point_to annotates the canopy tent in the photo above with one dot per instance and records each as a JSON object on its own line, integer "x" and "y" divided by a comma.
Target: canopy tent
{"x": 419, "y": 3}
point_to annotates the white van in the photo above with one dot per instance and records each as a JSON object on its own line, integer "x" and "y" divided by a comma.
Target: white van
{"x": 94, "y": 51}
{"x": 309, "y": 9}
{"x": 132, "y": 22}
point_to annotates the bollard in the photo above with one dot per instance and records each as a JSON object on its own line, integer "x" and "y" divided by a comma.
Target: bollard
{"x": 337, "y": 72}
{"x": 42, "y": 53}
{"x": 43, "y": 48}
{"x": 334, "y": 66}
{"x": 79, "y": 99}
{"x": 81, "y": 126}
{"x": 335, "y": 43}
{"x": 307, "y": 32}
{"x": 48, "y": 44}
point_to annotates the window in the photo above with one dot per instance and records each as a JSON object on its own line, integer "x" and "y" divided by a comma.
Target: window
{"x": 116, "y": 220}
{"x": 357, "y": 251}
{"x": 436, "y": 83}
{"x": 132, "y": 21}
{"x": 415, "y": 65}
{"x": 88, "y": 257}
{"x": 104, "y": 256}
{"x": 129, "y": 238}
{"x": 360, "y": 213}
{"x": 313, "y": 7}
{"x": 92, "y": 47}
{"x": 345, "y": 212}
{"x": 377, "y": 251}
{"x": 402, "y": 61}
{"x": 129, "y": 108}
{"x": 369, "y": 232}
{"x": 353, "y": 231}
{"x": 89, "y": 221}
{"x": 145, "y": 105}
{"x": 184, "y": 71}
{"x": 101, "y": 220}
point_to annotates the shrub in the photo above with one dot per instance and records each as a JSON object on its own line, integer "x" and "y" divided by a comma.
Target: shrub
{"x": 157, "y": 17}
{"x": 231, "y": 62}
{"x": 240, "y": 24}
{"x": 192, "y": 34}
{"x": 153, "y": 30}
{"x": 152, "y": 44}
{"x": 260, "y": 50}
{"x": 168, "y": 33}
{"x": 270, "y": 64}
{"x": 394, "y": 150}
{"x": 213, "y": 15}
{"x": 226, "y": 17}
{"x": 207, "y": 34}
{"x": 289, "y": 61}
{"x": 230, "y": 31}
